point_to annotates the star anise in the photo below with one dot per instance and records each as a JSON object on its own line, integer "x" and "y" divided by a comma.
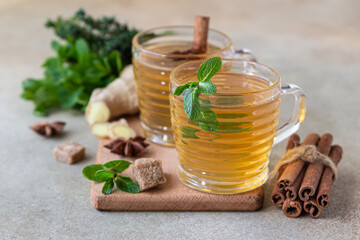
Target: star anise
{"x": 48, "y": 129}
{"x": 134, "y": 147}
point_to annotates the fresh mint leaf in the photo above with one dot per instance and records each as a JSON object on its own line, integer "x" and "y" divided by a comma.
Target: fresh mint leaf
{"x": 55, "y": 46}
{"x": 108, "y": 186}
{"x": 90, "y": 171}
{"x": 189, "y": 132}
{"x": 69, "y": 99}
{"x": 207, "y": 88}
{"x": 232, "y": 115}
{"x": 229, "y": 101}
{"x": 208, "y": 69}
{"x": 191, "y": 103}
{"x": 180, "y": 89}
{"x": 108, "y": 173}
{"x": 115, "y": 62}
{"x": 104, "y": 175}
{"x": 118, "y": 165}
{"x": 125, "y": 184}
{"x": 82, "y": 48}
{"x": 208, "y": 120}
{"x": 30, "y": 87}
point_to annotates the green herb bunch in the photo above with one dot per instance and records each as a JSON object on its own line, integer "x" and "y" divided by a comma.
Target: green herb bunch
{"x": 205, "y": 117}
{"x": 109, "y": 173}
{"x": 93, "y": 55}
{"x": 103, "y": 35}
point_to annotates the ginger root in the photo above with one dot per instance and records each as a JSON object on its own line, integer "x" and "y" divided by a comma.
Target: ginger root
{"x": 101, "y": 130}
{"x": 117, "y": 130}
{"x": 113, "y": 130}
{"x": 118, "y": 98}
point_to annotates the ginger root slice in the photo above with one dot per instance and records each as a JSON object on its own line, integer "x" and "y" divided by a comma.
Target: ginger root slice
{"x": 118, "y": 98}
{"x": 113, "y": 130}
{"x": 116, "y": 130}
{"x": 101, "y": 130}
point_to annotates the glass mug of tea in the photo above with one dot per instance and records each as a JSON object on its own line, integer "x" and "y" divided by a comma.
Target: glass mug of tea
{"x": 156, "y": 52}
{"x": 234, "y": 158}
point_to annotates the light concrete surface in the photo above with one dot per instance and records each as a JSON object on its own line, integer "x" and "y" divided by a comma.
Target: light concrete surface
{"x": 315, "y": 44}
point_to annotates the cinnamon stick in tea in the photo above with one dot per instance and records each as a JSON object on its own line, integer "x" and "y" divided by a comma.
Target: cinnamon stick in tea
{"x": 294, "y": 168}
{"x": 311, "y": 207}
{"x": 326, "y": 182}
{"x": 291, "y": 208}
{"x": 314, "y": 171}
{"x": 201, "y": 29}
{"x": 278, "y": 195}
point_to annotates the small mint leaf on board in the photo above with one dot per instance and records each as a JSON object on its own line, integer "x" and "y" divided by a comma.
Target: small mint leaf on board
{"x": 118, "y": 165}
{"x": 191, "y": 103}
{"x": 126, "y": 184}
{"x": 104, "y": 175}
{"x": 208, "y": 69}
{"x": 108, "y": 186}
{"x": 90, "y": 171}
{"x": 207, "y": 88}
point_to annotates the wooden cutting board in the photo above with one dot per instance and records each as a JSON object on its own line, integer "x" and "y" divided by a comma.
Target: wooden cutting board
{"x": 171, "y": 196}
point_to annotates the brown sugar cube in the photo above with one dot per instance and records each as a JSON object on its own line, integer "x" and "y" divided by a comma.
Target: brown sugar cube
{"x": 148, "y": 173}
{"x": 69, "y": 152}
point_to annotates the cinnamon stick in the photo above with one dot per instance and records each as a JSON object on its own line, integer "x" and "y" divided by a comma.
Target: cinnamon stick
{"x": 314, "y": 171}
{"x": 291, "y": 192}
{"x": 291, "y": 208}
{"x": 278, "y": 195}
{"x": 294, "y": 168}
{"x": 311, "y": 207}
{"x": 326, "y": 182}
{"x": 201, "y": 29}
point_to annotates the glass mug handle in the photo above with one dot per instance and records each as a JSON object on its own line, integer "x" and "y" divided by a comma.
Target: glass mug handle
{"x": 298, "y": 115}
{"x": 244, "y": 54}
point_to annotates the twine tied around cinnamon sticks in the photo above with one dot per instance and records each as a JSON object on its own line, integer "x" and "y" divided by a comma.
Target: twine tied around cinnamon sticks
{"x": 306, "y": 174}
{"x": 307, "y": 153}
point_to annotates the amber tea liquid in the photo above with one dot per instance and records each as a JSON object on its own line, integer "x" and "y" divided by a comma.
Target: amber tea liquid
{"x": 152, "y": 75}
{"x": 234, "y": 158}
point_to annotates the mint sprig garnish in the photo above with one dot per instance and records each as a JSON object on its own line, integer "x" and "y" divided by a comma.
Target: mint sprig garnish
{"x": 109, "y": 173}
{"x": 205, "y": 117}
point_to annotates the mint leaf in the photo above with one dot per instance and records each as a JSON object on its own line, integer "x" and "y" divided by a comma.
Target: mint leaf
{"x": 208, "y": 69}
{"x": 115, "y": 62}
{"x": 82, "y": 48}
{"x": 189, "y": 132}
{"x": 207, "y": 88}
{"x": 125, "y": 184}
{"x": 229, "y": 101}
{"x": 104, "y": 175}
{"x": 179, "y": 90}
{"x": 89, "y": 171}
{"x": 232, "y": 115}
{"x": 208, "y": 120}
{"x": 191, "y": 103}
{"x": 118, "y": 165}
{"x": 108, "y": 186}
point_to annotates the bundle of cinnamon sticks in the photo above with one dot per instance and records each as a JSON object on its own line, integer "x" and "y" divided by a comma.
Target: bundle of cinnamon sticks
{"x": 303, "y": 186}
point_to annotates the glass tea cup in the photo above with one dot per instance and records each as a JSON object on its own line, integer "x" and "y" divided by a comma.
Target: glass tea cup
{"x": 156, "y": 52}
{"x": 234, "y": 158}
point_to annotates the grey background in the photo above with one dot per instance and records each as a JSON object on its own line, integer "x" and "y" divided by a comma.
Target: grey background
{"x": 315, "y": 44}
